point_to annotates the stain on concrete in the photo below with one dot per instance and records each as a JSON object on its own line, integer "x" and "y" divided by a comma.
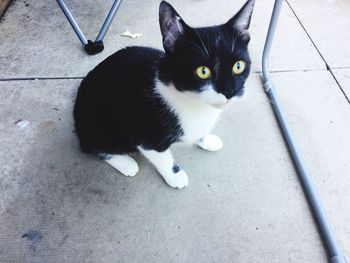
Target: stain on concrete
{"x": 34, "y": 237}
{"x": 48, "y": 126}
{"x": 95, "y": 191}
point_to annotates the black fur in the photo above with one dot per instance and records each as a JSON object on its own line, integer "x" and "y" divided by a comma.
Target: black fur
{"x": 176, "y": 168}
{"x": 117, "y": 108}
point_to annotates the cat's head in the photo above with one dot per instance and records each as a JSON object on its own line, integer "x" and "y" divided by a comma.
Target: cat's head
{"x": 212, "y": 63}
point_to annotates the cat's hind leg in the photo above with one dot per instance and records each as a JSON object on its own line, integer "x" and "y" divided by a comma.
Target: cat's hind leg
{"x": 123, "y": 163}
{"x": 164, "y": 162}
{"x": 210, "y": 142}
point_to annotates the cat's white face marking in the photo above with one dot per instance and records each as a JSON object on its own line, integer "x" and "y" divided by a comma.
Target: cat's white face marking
{"x": 196, "y": 115}
{"x": 212, "y": 97}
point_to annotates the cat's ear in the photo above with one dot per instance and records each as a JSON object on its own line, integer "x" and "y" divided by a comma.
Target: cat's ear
{"x": 241, "y": 21}
{"x": 171, "y": 25}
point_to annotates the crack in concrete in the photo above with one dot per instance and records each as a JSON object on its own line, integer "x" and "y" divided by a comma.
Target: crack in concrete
{"x": 39, "y": 78}
{"x": 78, "y": 77}
{"x": 290, "y": 70}
{"x": 319, "y": 52}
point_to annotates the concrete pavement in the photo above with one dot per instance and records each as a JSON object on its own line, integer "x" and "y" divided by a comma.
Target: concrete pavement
{"x": 243, "y": 204}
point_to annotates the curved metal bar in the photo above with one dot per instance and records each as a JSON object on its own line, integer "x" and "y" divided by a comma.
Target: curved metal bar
{"x": 334, "y": 251}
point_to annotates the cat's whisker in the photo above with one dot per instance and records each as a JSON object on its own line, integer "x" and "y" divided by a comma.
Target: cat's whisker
{"x": 259, "y": 100}
{"x": 198, "y": 48}
{"x": 233, "y": 43}
{"x": 206, "y": 50}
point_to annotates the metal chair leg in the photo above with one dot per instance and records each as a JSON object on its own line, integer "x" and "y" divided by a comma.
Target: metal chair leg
{"x": 334, "y": 251}
{"x": 72, "y": 22}
{"x": 91, "y": 47}
{"x": 108, "y": 20}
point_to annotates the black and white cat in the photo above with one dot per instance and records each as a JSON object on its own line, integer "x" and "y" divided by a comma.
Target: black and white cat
{"x": 143, "y": 99}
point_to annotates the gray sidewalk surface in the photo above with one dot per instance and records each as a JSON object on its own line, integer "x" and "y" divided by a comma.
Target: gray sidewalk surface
{"x": 243, "y": 204}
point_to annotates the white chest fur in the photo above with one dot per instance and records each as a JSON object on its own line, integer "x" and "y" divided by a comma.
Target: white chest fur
{"x": 197, "y": 118}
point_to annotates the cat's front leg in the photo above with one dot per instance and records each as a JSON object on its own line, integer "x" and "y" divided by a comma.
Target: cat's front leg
{"x": 210, "y": 142}
{"x": 164, "y": 162}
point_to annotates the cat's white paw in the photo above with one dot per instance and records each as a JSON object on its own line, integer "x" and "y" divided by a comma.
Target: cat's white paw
{"x": 131, "y": 170}
{"x": 211, "y": 142}
{"x": 177, "y": 180}
{"x": 124, "y": 164}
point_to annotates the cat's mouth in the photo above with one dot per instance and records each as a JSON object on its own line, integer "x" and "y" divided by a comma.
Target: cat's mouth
{"x": 221, "y": 105}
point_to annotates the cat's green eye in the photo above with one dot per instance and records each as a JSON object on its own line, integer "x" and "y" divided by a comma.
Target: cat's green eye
{"x": 238, "y": 67}
{"x": 203, "y": 72}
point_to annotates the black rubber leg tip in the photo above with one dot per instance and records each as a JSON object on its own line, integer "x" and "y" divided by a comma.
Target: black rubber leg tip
{"x": 93, "y": 48}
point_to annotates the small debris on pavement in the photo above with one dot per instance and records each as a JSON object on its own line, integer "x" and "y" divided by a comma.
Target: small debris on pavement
{"x": 22, "y": 123}
{"x": 127, "y": 33}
